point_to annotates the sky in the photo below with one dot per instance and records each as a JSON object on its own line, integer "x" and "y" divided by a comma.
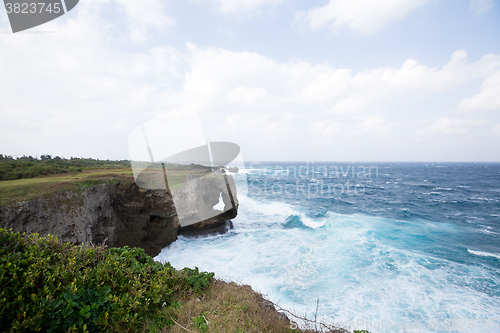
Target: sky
{"x": 286, "y": 80}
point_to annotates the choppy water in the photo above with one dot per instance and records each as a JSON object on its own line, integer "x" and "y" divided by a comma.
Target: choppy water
{"x": 380, "y": 245}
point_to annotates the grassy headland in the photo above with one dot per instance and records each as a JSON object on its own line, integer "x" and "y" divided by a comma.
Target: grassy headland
{"x": 29, "y": 167}
{"x": 49, "y": 286}
{"x": 28, "y": 178}
{"x": 12, "y": 191}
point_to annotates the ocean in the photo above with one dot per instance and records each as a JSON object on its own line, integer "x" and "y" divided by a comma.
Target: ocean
{"x": 383, "y": 247}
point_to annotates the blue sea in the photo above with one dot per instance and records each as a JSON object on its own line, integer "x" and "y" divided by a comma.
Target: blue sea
{"x": 386, "y": 247}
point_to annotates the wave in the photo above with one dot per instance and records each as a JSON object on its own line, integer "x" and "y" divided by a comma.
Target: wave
{"x": 399, "y": 257}
{"x": 484, "y": 254}
{"x": 274, "y": 212}
{"x": 294, "y": 221}
{"x": 359, "y": 266}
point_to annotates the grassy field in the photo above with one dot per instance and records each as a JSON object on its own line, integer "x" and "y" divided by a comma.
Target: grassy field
{"x": 12, "y": 191}
{"x": 154, "y": 177}
{"x": 30, "y": 167}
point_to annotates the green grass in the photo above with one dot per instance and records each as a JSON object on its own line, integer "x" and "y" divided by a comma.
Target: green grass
{"x": 30, "y": 167}
{"x": 28, "y": 178}
{"x": 20, "y": 190}
{"x": 13, "y": 191}
{"x": 153, "y": 177}
{"x": 90, "y": 174}
{"x": 226, "y": 307}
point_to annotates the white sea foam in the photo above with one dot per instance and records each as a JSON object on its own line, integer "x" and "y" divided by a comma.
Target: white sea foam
{"x": 484, "y": 254}
{"x": 345, "y": 263}
{"x": 488, "y": 231}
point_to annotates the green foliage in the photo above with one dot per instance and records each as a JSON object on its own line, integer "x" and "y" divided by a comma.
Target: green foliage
{"x": 53, "y": 287}
{"x": 75, "y": 169}
{"x": 159, "y": 324}
{"x": 196, "y": 280}
{"x": 5, "y": 157}
{"x": 200, "y": 323}
{"x": 86, "y": 308}
{"x": 29, "y": 167}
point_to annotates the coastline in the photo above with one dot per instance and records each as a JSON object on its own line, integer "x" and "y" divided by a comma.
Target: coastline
{"x": 55, "y": 286}
{"x": 115, "y": 211}
{"x": 99, "y": 213}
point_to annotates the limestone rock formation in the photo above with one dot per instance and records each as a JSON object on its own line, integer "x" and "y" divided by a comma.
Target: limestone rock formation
{"x": 122, "y": 214}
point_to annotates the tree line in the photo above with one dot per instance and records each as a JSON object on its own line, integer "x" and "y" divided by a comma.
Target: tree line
{"x": 28, "y": 166}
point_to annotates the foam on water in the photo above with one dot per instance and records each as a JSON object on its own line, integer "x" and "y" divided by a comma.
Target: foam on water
{"x": 271, "y": 213}
{"x": 359, "y": 267}
{"x": 429, "y": 254}
{"x": 484, "y": 254}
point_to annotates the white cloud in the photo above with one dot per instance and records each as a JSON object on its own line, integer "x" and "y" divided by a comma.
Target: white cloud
{"x": 363, "y": 125}
{"x": 350, "y": 93}
{"x": 246, "y": 97}
{"x": 268, "y": 126}
{"x": 76, "y": 92}
{"x": 145, "y": 15}
{"x": 325, "y": 127}
{"x": 496, "y": 130}
{"x": 487, "y": 99}
{"x": 375, "y": 125}
{"x": 83, "y": 95}
{"x": 332, "y": 103}
{"x": 220, "y": 75}
{"x": 4, "y": 23}
{"x": 157, "y": 62}
{"x": 245, "y": 7}
{"x": 450, "y": 126}
{"x": 362, "y": 16}
{"x": 481, "y": 6}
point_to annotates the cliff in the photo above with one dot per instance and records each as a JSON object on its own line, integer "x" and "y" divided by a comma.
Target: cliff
{"x": 121, "y": 213}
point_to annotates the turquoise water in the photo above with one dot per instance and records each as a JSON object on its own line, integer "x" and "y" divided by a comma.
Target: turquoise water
{"x": 382, "y": 246}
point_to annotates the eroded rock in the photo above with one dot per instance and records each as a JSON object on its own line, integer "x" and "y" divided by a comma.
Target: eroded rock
{"x": 124, "y": 214}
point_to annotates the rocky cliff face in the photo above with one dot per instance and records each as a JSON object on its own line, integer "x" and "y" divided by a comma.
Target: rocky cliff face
{"x": 120, "y": 213}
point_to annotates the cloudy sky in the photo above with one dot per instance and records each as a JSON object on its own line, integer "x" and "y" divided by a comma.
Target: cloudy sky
{"x": 287, "y": 80}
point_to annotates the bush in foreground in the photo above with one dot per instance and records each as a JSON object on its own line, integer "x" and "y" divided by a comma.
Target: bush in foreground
{"x": 49, "y": 286}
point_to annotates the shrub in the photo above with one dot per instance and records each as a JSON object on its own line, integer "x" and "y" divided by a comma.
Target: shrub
{"x": 29, "y": 167}
{"x": 196, "y": 280}
{"x": 49, "y": 286}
